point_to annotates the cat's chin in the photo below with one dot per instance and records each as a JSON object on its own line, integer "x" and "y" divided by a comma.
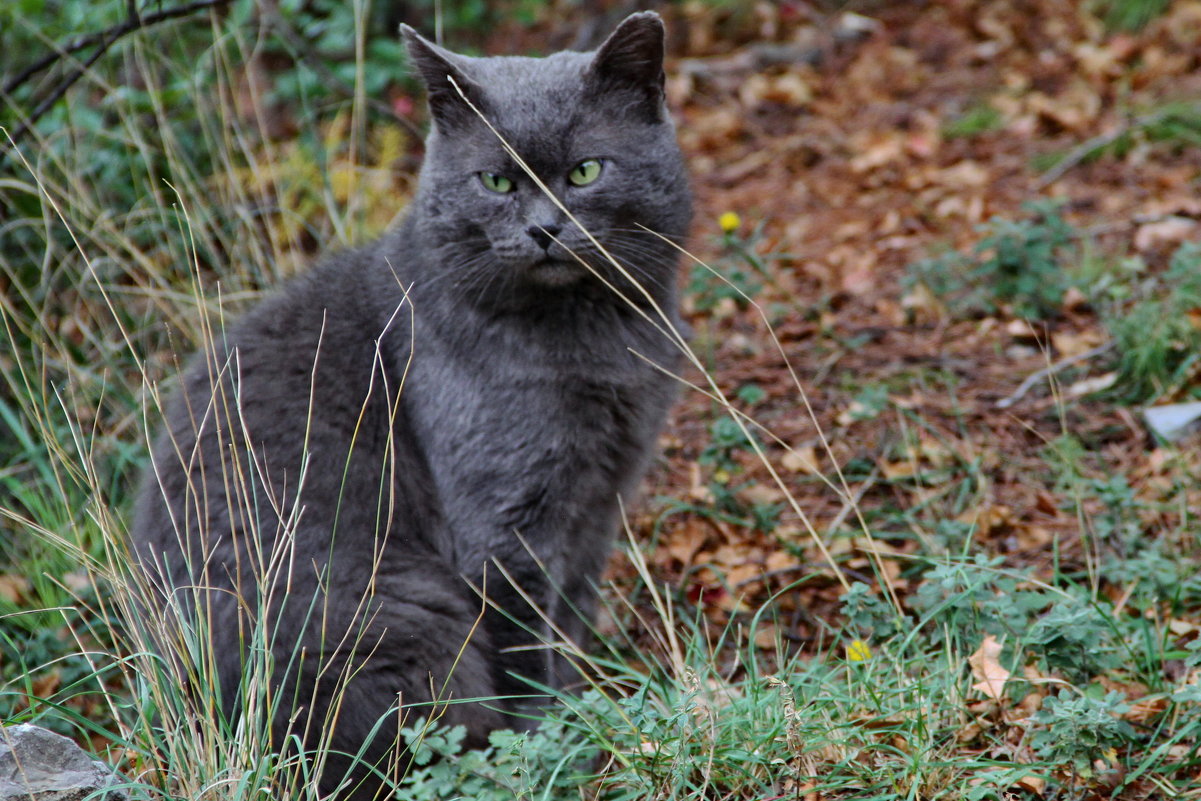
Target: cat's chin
{"x": 555, "y": 272}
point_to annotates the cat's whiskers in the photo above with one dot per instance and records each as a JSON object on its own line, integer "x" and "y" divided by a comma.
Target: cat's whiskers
{"x": 643, "y": 249}
{"x": 467, "y": 272}
{"x": 638, "y": 268}
{"x": 479, "y": 277}
{"x": 470, "y": 273}
{"x": 639, "y": 255}
{"x": 637, "y": 273}
{"x": 477, "y": 274}
{"x": 648, "y": 234}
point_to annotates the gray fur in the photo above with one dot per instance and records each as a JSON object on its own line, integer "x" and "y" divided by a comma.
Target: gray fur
{"x": 459, "y": 396}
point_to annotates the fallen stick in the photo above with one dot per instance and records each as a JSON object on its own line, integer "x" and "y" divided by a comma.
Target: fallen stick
{"x": 1050, "y": 370}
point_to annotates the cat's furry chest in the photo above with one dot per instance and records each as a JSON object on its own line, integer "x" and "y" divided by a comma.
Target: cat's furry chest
{"x": 532, "y": 441}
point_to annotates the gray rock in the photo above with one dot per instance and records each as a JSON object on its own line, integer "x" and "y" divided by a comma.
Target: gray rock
{"x": 39, "y": 765}
{"x": 1175, "y": 421}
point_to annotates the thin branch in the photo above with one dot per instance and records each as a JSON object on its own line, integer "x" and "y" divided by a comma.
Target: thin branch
{"x": 135, "y": 21}
{"x": 1087, "y": 148}
{"x": 302, "y": 49}
{"x": 1034, "y": 378}
{"x": 103, "y": 41}
{"x": 57, "y": 94}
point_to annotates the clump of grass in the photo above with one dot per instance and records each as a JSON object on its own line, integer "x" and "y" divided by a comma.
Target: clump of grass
{"x": 769, "y": 725}
{"x": 1079, "y": 729}
{"x": 980, "y": 118}
{"x": 1023, "y": 266}
{"x": 94, "y": 307}
{"x": 1157, "y": 333}
{"x": 1130, "y": 15}
{"x": 1026, "y": 266}
{"x": 878, "y": 709}
{"x": 1175, "y": 125}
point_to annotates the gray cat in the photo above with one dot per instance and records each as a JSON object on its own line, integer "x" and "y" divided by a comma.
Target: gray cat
{"x": 456, "y": 410}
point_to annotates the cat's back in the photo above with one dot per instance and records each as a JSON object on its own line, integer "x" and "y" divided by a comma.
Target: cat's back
{"x": 307, "y": 347}
{"x": 280, "y": 398}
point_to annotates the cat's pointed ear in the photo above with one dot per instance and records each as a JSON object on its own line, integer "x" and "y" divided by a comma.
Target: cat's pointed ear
{"x": 450, "y": 91}
{"x": 632, "y": 58}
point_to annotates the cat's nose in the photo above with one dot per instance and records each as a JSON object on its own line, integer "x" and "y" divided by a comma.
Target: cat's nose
{"x": 544, "y": 235}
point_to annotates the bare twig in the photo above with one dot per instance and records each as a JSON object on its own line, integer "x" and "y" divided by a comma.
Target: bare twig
{"x": 102, "y": 41}
{"x": 1046, "y": 372}
{"x": 852, "y": 503}
{"x": 1090, "y": 146}
{"x": 294, "y": 40}
{"x": 134, "y": 22}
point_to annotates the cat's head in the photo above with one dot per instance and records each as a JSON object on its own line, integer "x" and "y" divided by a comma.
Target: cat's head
{"x": 593, "y": 128}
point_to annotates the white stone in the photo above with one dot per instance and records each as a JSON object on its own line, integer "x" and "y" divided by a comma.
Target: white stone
{"x": 1173, "y": 421}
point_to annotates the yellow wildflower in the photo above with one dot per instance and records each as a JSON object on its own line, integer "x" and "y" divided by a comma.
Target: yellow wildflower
{"x": 858, "y": 651}
{"x": 729, "y": 222}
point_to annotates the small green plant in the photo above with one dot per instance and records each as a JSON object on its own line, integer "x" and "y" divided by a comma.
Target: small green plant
{"x": 547, "y": 763}
{"x": 1174, "y": 124}
{"x": 969, "y": 598}
{"x": 1078, "y": 729}
{"x": 951, "y": 536}
{"x": 740, "y": 273}
{"x": 1158, "y": 335}
{"x": 1075, "y": 638}
{"x": 868, "y": 403}
{"x": 727, "y": 440}
{"x": 751, "y": 394}
{"x": 867, "y": 615}
{"x": 1155, "y": 576}
{"x": 1118, "y": 523}
{"x": 1129, "y": 15}
{"x": 1021, "y": 265}
{"x": 978, "y": 119}
{"x": 1066, "y": 458}
{"x": 708, "y": 291}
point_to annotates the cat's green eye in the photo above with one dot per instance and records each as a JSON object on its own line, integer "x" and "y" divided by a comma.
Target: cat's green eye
{"x": 585, "y": 172}
{"x": 496, "y": 183}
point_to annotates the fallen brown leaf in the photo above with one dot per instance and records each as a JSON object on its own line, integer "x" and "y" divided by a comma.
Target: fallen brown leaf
{"x": 687, "y": 540}
{"x": 986, "y": 667}
{"x": 13, "y": 587}
{"x": 1073, "y": 343}
{"x": 1171, "y": 231}
{"x": 47, "y": 685}
{"x": 800, "y": 460}
{"x": 1033, "y": 784}
{"x": 1045, "y": 502}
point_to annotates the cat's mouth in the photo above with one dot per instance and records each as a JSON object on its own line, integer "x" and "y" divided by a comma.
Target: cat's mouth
{"x": 556, "y": 272}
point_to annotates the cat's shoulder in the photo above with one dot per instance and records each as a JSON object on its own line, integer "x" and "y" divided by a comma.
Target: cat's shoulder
{"x": 335, "y": 299}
